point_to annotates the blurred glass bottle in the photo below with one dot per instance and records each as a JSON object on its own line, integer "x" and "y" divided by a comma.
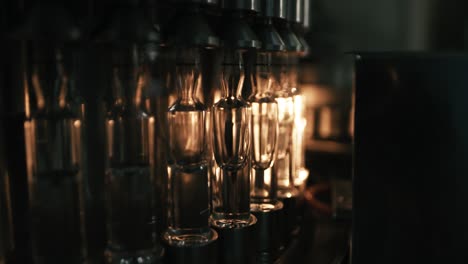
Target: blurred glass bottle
{"x": 264, "y": 132}
{"x": 291, "y": 29}
{"x": 54, "y": 150}
{"x": 231, "y": 142}
{"x": 53, "y": 135}
{"x": 188, "y": 184}
{"x": 132, "y": 44}
{"x": 284, "y": 96}
{"x": 130, "y": 187}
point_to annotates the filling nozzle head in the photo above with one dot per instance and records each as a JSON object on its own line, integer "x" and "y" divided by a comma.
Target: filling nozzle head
{"x": 192, "y": 29}
{"x": 244, "y": 5}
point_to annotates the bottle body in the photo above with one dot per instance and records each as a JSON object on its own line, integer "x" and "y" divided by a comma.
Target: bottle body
{"x": 188, "y": 188}
{"x": 231, "y": 138}
{"x": 265, "y": 136}
{"x": 231, "y": 146}
{"x": 284, "y": 96}
{"x": 54, "y": 155}
{"x": 130, "y": 180}
{"x": 188, "y": 199}
{"x": 130, "y": 187}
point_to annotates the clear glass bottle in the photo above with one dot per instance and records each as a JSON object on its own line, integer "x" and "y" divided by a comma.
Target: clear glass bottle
{"x": 299, "y": 171}
{"x": 54, "y": 154}
{"x": 231, "y": 142}
{"x": 130, "y": 174}
{"x": 188, "y": 191}
{"x": 264, "y": 132}
{"x": 284, "y": 96}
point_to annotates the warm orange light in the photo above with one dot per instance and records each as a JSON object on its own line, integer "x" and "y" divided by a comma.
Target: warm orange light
{"x": 38, "y": 90}
{"x": 151, "y": 138}
{"x": 110, "y": 137}
{"x": 27, "y": 107}
{"x": 325, "y": 127}
{"x": 63, "y": 92}
{"x": 139, "y": 89}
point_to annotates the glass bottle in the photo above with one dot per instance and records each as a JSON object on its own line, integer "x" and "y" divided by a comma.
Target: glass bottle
{"x": 188, "y": 200}
{"x": 299, "y": 171}
{"x": 54, "y": 154}
{"x": 264, "y": 131}
{"x": 231, "y": 141}
{"x": 130, "y": 174}
{"x": 284, "y": 96}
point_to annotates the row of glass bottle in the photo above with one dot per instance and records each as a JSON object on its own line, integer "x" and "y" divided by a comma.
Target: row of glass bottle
{"x": 210, "y": 152}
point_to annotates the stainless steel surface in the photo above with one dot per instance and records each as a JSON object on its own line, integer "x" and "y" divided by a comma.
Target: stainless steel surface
{"x": 306, "y": 15}
{"x": 202, "y": 2}
{"x": 269, "y": 36}
{"x": 246, "y": 5}
{"x": 274, "y": 8}
{"x": 289, "y": 37}
{"x": 191, "y": 29}
{"x": 295, "y": 11}
{"x": 237, "y": 33}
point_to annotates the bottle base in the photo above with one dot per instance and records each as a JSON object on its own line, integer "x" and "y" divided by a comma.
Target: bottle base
{"x": 266, "y": 207}
{"x": 132, "y": 257}
{"x": 189, "y": 237}
{"x": 223, "y": 222}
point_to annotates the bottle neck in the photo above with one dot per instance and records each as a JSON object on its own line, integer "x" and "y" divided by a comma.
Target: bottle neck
{"x": 129, "y": 77}
{"x": 188, "y": 75}
{"x": 263, "y": 67}
{"x": 281, "y": 70}
{"x": 51, "y": 79}
{"x": 293, "y": 65}
{"x": 233, "y": 74}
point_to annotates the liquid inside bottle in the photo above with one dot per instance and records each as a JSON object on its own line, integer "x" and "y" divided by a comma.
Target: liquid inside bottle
{"x": 231, "y": 147}
{"x": 54, "y": 158}
{"x": 264, "y": 127}
{"x": 188, "y": 183}
{"x": 130, "y": 175}
{"x": 264, "y": 144}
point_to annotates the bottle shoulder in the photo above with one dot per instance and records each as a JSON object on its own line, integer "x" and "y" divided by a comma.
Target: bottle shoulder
{"x": 55, "y": 114}
{"x": 231, "y": 102}
{"x": 182, "y": 106}
{"x": 126, "y": 112}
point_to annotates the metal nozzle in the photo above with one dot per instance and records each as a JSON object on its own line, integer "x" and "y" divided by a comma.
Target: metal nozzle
{"x": 290, "y": 39}
{"x": 270, "y": 38}
{"x": 239, "y": 35}
{"x": 192, "y": 30}
{"x": 201, "y": 2}
{"x": 306, "y": 13}
{"x": 129, "y": 24}
{"x": 295, "y": 11}
{"x": 274, "y": 8}
{"x": 247, "y": 5}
